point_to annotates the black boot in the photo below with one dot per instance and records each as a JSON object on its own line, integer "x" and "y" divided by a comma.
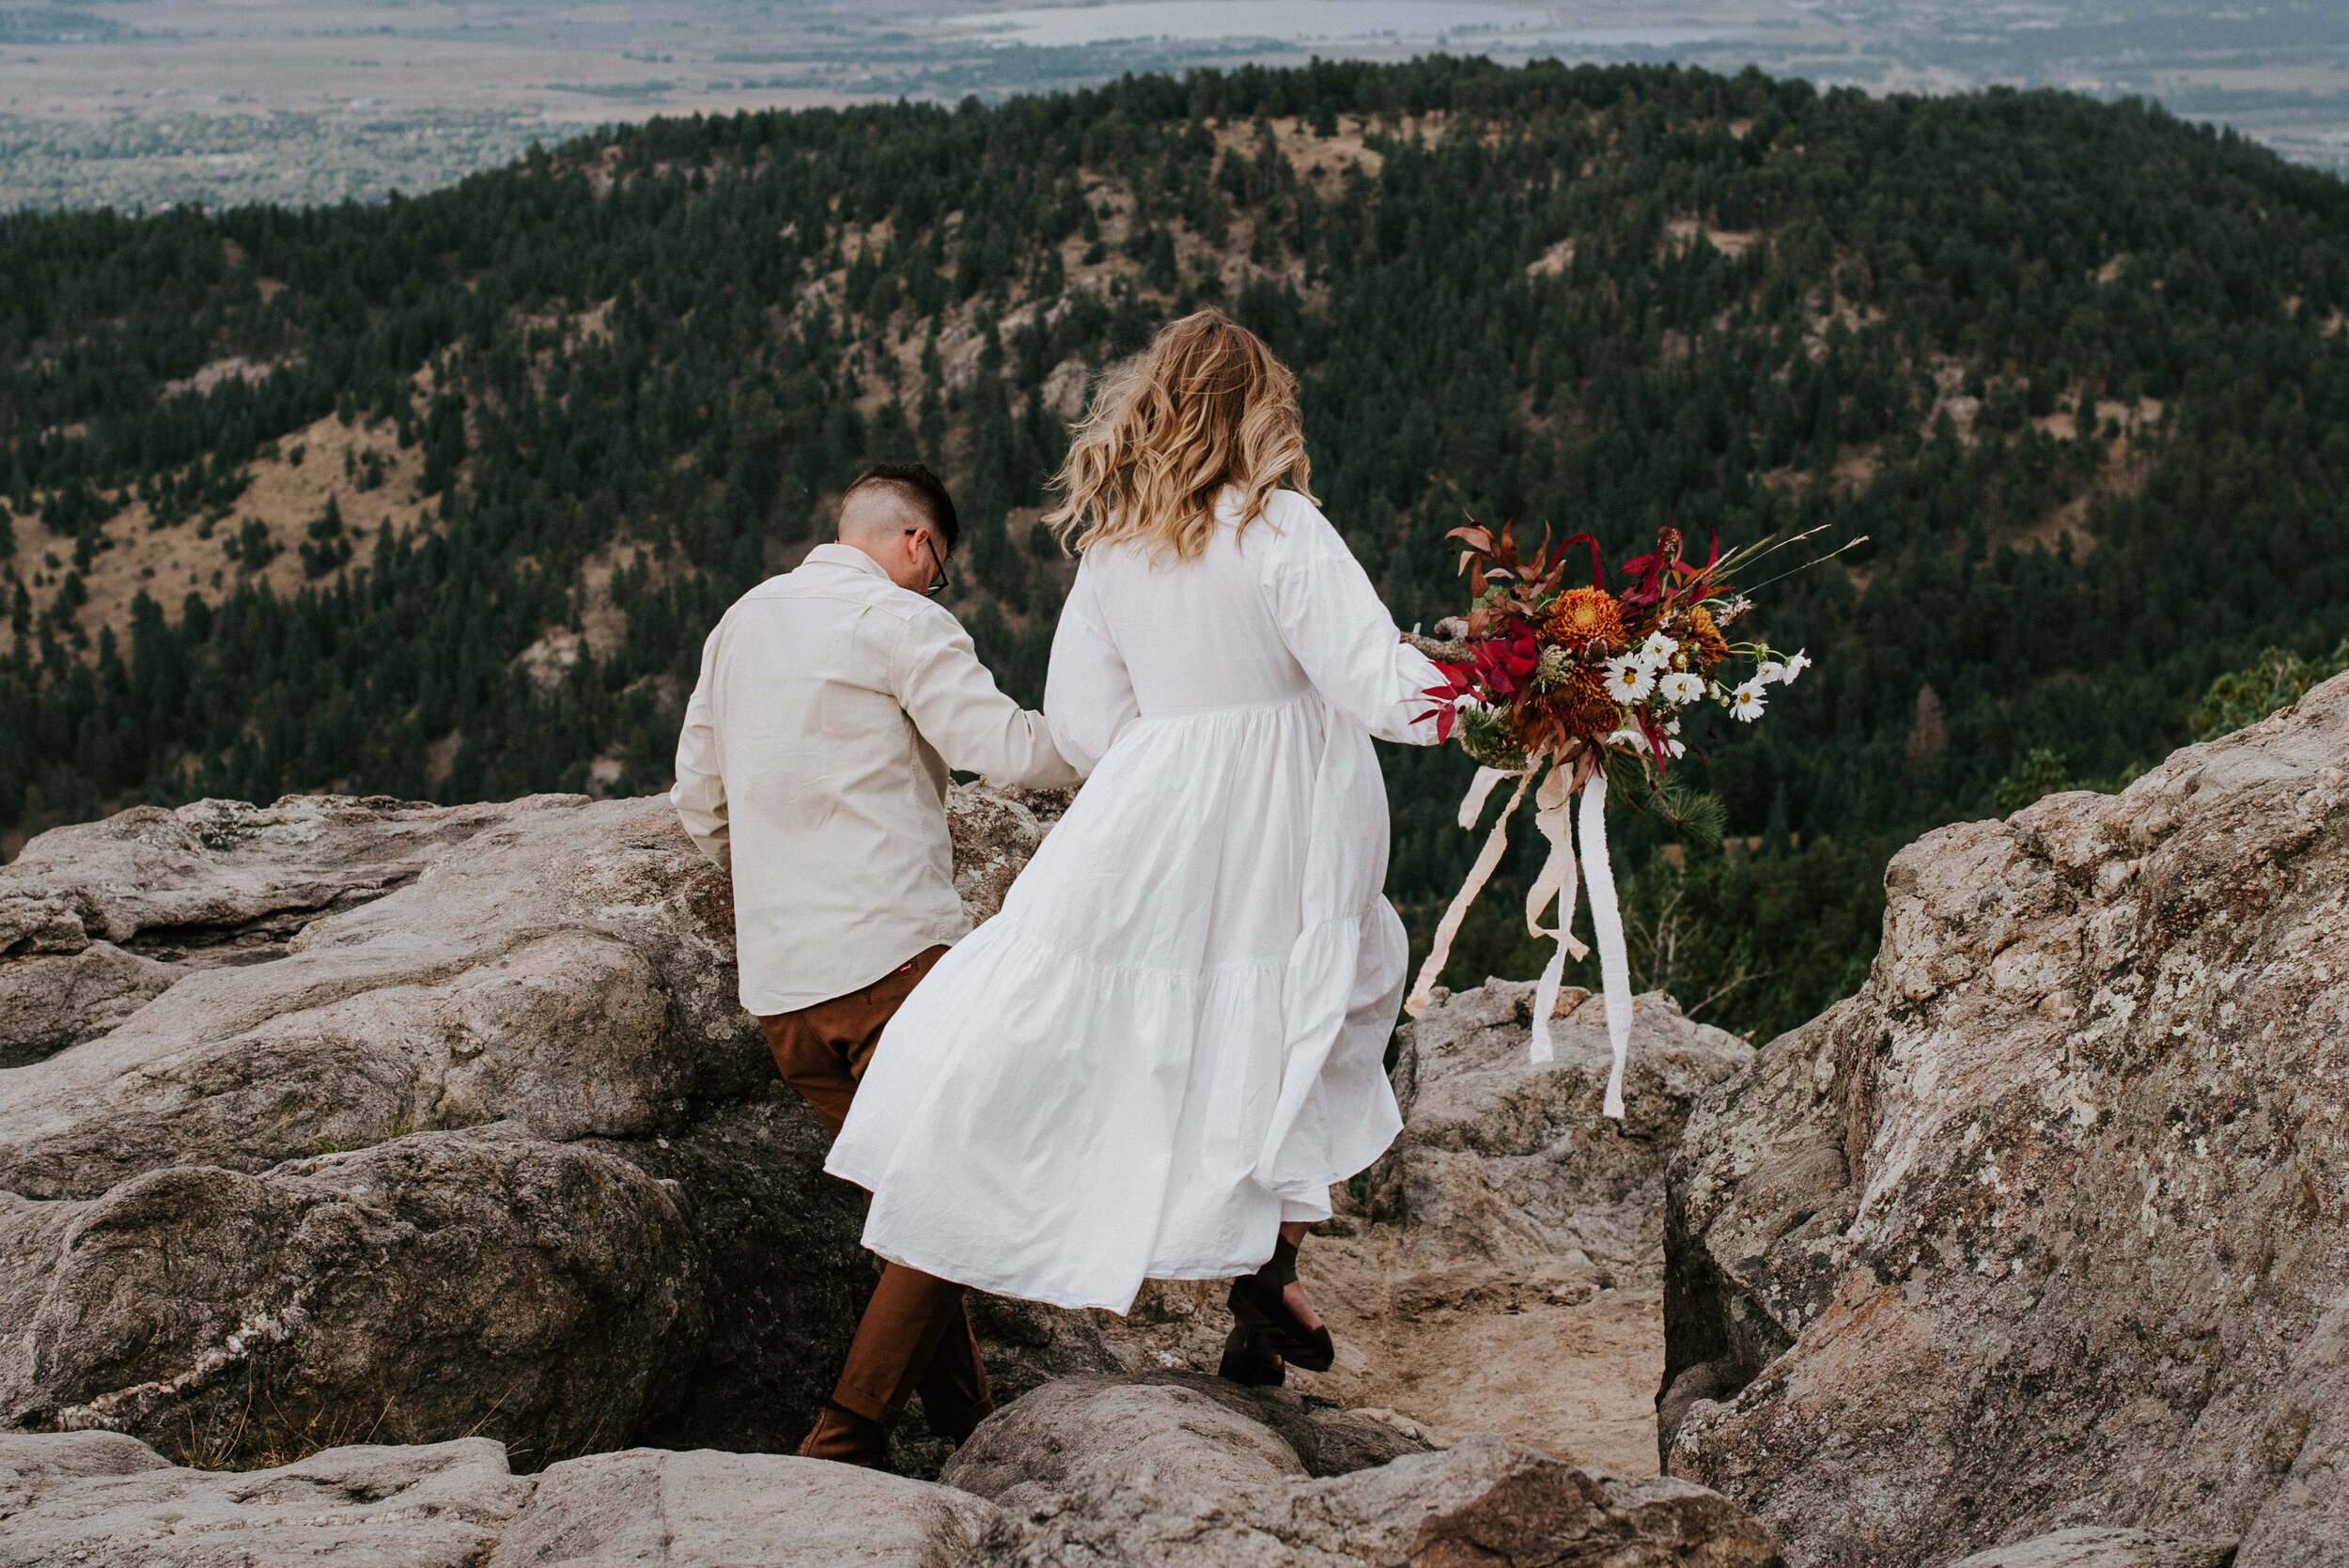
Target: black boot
{"x": 1248, "y": 1362}
{"x": 1257, "y": 1302}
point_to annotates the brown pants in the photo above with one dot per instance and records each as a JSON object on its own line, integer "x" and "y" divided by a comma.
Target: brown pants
{"x": 914, "y": 1337}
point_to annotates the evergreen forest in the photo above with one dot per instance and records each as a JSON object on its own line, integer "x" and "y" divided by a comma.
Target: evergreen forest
{"x": 2075, "y": 371}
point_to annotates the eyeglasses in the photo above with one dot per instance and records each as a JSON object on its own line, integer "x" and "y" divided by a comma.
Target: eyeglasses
{"x": 939, "y": 584}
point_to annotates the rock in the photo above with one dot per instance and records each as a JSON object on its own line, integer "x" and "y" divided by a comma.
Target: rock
{"x": 706, "y": 1510}
{"x": 2043, "y": 1228}
{"x": 2095, "y": 1547}
{"x": 1027, "y": 1343}
{"x": 1485, "y": 1502}
{"x": 1209, "y": 1432}
{"x": 221, "y": 881}
{"x": 98, "y": 919}
{"x": 101, "y": 1499}
{"x": 341, "y": 997}
{"x": 51, "y": 1001}
{"x": 481, "y": 1282}
{"x": 1504, "y": 1163}
{"x": 98, "y": 1499}
{"x": 557, "y": 968}
{"x": 1069, "y": 1432}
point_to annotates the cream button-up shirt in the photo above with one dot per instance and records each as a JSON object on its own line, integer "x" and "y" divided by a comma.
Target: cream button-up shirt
{"x": 813, "y": 766}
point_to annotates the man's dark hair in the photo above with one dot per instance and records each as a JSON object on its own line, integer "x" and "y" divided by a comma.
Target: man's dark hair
{"x": 916, "y": 484}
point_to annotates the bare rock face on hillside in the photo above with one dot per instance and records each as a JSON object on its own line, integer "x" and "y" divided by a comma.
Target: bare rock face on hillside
{"x": 412, "y": 1121}
{"x": 2047, "y": 1229}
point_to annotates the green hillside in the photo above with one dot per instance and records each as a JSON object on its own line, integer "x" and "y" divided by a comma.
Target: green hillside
{"x": 437, "y": 498}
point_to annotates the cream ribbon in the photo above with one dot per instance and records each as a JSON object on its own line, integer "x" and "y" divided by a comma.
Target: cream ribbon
{"x": 1558, "y": 879}
{"x": 1614, "y": 963}
{"x": 1487, "y": 859}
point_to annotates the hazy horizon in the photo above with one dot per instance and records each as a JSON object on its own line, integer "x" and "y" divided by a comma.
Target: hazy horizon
{"x": 149, "y": 101}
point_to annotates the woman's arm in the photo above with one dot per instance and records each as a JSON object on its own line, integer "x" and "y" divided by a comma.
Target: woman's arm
{"x": 1331, "y": 617}
{"x": 1088, "y": 694}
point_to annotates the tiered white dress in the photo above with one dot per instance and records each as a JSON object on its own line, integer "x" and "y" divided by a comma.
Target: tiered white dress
{"x": 1172, "y": 1037}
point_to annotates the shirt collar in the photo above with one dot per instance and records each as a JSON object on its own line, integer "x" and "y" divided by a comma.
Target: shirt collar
{"x": 845, "y": 555}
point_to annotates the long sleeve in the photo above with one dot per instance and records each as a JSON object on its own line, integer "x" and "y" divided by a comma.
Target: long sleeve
{"x": 1333, "y": 623}
{"x": 1088, "y": 693}
{"x": 700, "y": 793}
{"x": 955, "y": 705}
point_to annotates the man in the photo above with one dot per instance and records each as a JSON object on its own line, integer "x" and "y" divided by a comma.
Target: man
{"x": 813, "y": 767}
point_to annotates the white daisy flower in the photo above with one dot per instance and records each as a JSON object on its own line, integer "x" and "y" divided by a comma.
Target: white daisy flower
{"x": 1671, "y": 726}
{"x": 1795, "y": 666}
{"x": 1675, "y": 750}
{"x": 1746, "y": 702}
{"x": 1630, "y": 737}
{"x": 1629, "y": 680}
{"x": 1769, "y": 674}
{"x": 1681, "y": 687}
{"x": 1656, "y": 650}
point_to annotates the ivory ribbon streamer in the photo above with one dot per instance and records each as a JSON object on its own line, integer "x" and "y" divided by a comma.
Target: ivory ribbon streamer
{"x": 1614, "y": 963}
{"x": 1487, "y": 858}
{"x": 1557, "y": 881}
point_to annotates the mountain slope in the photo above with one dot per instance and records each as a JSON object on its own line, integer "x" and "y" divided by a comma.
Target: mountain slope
{"x": 2074, "y": 369}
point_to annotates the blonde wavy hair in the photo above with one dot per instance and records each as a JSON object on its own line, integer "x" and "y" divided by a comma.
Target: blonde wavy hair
{"x": 1208, "y": 405}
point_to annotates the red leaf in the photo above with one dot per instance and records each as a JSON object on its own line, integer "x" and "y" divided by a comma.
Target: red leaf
{"x": 1598, "y": 565}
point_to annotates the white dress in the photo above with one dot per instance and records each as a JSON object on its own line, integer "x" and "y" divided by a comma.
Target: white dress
{"x": 1171, "y": 1038}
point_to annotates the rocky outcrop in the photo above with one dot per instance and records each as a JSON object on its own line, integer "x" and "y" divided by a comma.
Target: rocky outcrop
{"x": 1098, "y": 1471}
{"x": 2098, "y": 1547}
{"x": 98, "y": 919}
{"x": 1502, "y": 1270}
{"x": 1217, "y": 1433}
{"x": 428, "y": 1285}
{"x": 432, "y": 1121}
{"x": 100, "y": 1499}
{"x": 1488, "y": 1501}
{"x": 49, "y": 1000}
{"x": 1506, "y": 1163}
{"x": 706, "y": 1510}
{"x": 2044, "y": 1231}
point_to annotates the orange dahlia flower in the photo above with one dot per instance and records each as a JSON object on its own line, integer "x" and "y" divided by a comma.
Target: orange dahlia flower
{"x": 1582, "y": 614}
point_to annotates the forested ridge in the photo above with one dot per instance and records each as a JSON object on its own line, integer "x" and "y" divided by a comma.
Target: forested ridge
{"x": 2073, "y": 369}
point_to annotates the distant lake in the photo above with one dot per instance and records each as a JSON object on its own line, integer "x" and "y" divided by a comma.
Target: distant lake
{"x": 1306, "y": 19}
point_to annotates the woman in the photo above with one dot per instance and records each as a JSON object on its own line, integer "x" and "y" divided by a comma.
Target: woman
{"x": 1156, "y": 1058}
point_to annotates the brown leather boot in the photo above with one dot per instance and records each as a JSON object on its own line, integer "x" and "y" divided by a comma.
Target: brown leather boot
{"x": 848, "y": 1438}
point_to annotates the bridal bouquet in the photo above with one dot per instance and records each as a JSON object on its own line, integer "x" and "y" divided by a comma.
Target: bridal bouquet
{"x": 1557, "y": 682}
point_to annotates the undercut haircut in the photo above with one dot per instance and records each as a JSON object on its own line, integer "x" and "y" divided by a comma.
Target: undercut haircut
{"x": 914, "y": 483}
